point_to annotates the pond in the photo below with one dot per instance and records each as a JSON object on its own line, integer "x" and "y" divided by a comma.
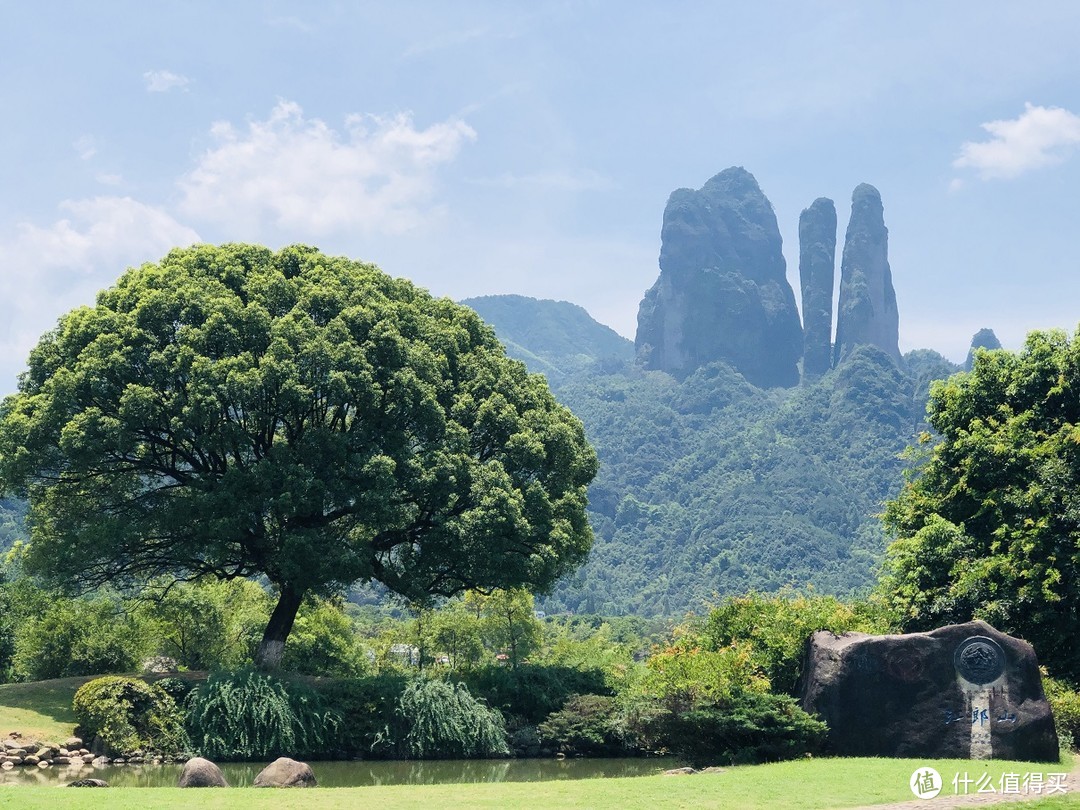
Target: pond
{"x": 358, "y": 774}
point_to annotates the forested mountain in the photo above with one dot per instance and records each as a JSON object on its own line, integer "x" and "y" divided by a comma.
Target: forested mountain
{"x": 713, "y": 486}
{"x": 556, "y": 338}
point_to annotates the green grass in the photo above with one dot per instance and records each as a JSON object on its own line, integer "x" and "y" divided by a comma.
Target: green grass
{"x": 800, "y": 785}
{"x": 41, "y": 709}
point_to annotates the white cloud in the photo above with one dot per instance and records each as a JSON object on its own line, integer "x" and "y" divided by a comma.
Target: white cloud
{"x": 1040, "y": 136}
{"x": 300, "y": 175}
{"x": 162, "y": 81}
{"x": 49, "y": 270}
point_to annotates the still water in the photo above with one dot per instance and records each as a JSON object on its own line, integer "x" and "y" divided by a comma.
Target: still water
{"x": 357, "y": 774}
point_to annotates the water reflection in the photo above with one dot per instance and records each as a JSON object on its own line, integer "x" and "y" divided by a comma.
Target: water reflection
{"x": 357, "y": 774}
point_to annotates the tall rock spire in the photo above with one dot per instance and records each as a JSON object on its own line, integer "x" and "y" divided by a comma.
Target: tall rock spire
{"x": 817, "y": 268}
{"x": 723, "y": 292}
{"x": 867, "y": 310}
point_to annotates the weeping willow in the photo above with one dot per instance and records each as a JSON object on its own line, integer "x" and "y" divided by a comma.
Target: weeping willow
{"x": 250, "y": 715}
{"x": 439, "y": 719}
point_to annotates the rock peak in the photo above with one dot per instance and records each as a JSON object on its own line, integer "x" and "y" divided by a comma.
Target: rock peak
{"x": 983, "y": 339}
{"x": 723, "y": 292}
{"x": 817, "y": 269}
{"x": 867, "y": 313}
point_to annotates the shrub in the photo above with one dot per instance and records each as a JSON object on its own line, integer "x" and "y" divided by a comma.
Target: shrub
{"x": 749, "y": 728}
{"x": 324, "y": 642}
{"x": 78, "y": 637}
{"x": 129, "y": 714}
{"x": 531, "y": 692}
{"x": 366, "y": 707}
{"x": 1065, "y": 703}
{"x": 586, "y": 725}
{"x": 250, "y": 715}
{"x": 437, "y": 720}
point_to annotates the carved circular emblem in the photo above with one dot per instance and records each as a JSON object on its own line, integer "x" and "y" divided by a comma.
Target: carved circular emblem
{"x": 979, "y": 660}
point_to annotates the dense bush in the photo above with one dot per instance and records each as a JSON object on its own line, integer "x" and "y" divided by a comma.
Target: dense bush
{"x": 70, "y": 637}
{"x": 324, "y": 642}
{"x": 366, "y": 707}
{"x": 250, "y": 715}
{"x": 587, "y": 725}
{"x": 1065, "y": 703}
{"x": 774, "y": 628}
{"x": 748, "y": 728}
{"x": 436, "y": 719}
{"x": 129, "y": 714}
{"x": 532, "y": 692}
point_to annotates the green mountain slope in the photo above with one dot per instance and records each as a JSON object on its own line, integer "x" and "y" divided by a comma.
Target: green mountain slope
{"x": 555, "y": 338}
{"x": 712, "y": 486}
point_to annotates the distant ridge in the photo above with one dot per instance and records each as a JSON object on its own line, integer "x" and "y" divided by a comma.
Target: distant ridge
{"x": 554, "y": 337}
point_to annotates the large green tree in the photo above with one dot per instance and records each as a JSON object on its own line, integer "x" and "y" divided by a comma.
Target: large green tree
{"x": 237, "y": 412}
{"x": 989, "y": 527}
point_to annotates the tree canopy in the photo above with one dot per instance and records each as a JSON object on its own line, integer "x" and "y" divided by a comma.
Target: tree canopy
{"x": 233, "y": 412}
{"x": 990, "y": 526}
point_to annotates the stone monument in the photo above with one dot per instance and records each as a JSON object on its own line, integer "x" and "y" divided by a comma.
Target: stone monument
{"x": 962, "y": 691}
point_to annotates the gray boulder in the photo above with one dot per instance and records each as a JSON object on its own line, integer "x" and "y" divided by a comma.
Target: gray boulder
{"x": 285, "y": 772}
{"x": 88, "y": 783}
{"x": 963, "y": 691}
{"x": 199, "y": 772}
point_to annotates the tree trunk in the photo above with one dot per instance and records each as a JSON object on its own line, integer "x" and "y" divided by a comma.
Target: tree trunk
{"x": 272, "y": 646}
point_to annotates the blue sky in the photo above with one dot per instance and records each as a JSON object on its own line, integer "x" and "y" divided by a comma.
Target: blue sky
{"x": 481, "y": 148}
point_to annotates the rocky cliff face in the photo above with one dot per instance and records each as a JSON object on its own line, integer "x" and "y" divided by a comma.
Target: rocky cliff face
{"x": 867, "y": 313}
{"x": 817, "y": 268}
{"x": 983, "y": 339}
{"x": 722, "y": 293}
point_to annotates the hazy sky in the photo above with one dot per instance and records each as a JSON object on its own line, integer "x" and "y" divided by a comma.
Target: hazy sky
{"x": 513, "y": 147}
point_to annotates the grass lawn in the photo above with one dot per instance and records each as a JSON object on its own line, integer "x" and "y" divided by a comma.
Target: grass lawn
{"x": 800, "y": 785}
{"x": 41, "y": 709}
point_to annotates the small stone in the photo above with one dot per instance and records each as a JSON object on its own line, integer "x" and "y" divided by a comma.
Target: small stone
{"x": 88, "y": 783}
{"x": 680, "y": 772}
{"x": 44, "y": 763}
{"x": 119, "y": 761}
{"x": 31, "y": 760}
{"x": 100, "y": 762}
{"x": 7, "y": 764}
{"x": 87, "y": 758}
{"x": 73, "y": 742}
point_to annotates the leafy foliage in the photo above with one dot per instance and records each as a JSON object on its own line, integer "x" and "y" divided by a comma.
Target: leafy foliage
{"x": 1065, "y": 704}
{"x": 87, "y": 636}
{"x": 748, "y": 728}
{"x": 990, "y": 526}
{"x": 437, "y": 719}
{"x": 776, "y": 628}
{"x": 366, "y": 707}
{"x": 250, "y": 715}
{"x": 129, "y": 714}
{"x": 531, "y": 692}
{"x": 232, "y": 411}
{"x": 587, "y": 725}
